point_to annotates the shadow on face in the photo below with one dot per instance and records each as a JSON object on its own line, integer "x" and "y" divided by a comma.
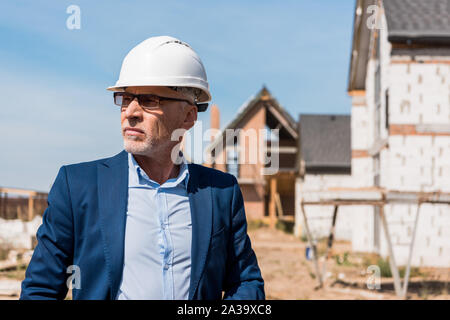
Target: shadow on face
{"x": 149, "y": 130}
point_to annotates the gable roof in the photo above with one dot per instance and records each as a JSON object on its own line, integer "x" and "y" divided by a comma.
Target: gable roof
{"x": 263, "y": 95}
{"x": 418, "y": 21}
{"x": 325, "y": 141}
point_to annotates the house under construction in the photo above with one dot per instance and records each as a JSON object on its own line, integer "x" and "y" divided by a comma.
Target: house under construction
{"x": 397, "y": 140}
{"x": 264, "y": 192}
{"x": 315, "y": 146}
{"x": 399, "y": 83}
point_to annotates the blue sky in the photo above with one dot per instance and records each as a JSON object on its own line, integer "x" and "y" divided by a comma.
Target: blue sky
{"x": 56, "y": 110}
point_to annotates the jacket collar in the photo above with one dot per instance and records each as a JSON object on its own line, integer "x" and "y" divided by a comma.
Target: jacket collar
{"x": 138, "y": 178}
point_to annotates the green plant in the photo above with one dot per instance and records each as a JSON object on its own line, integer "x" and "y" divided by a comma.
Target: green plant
{"x": 285, "y": 226}
{"x": 304, "y": 238}
{"x": 255, "y": 224}
{"x": 343, "y": 261}
{"x": 385, "y": 269}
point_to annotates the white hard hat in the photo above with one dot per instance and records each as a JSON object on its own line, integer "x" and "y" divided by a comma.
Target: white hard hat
{"x": 163, "y": 61}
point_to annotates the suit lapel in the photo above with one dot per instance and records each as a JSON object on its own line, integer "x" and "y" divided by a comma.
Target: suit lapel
{"x": 112, "y": 197}
{"x": 201, "y": 215}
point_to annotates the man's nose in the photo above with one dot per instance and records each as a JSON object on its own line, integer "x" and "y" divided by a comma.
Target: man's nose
{"x": 133, "y": 110}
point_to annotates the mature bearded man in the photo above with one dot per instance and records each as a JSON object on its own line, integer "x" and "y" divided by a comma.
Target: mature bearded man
{"x": 145, "y": 224}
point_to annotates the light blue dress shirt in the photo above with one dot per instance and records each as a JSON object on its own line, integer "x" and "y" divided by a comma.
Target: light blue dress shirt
{"x": 158, "y": 236}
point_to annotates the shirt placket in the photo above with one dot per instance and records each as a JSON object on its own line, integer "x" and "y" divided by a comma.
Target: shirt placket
{"x": 167, "y": 252}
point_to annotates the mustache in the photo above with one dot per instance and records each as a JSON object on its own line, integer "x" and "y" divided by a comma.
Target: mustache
{"x": 133, "y": 129}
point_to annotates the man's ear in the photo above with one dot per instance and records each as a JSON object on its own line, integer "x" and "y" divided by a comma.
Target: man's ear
{"x": 190, "y": 117}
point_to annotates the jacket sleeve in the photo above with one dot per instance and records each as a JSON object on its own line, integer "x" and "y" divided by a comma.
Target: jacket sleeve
{"x": 46, "y": 274}
{"x": 243, "y": 278}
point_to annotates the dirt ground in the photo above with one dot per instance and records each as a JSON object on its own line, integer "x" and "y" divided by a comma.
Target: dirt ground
{"x": 288, "y": 275}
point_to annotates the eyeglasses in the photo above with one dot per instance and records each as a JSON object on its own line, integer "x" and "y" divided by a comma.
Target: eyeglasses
{"x": 146, "y": 101}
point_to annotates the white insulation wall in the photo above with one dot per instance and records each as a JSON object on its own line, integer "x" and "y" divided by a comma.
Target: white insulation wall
{"x": 419, "y": 94}
{"x": 320, "y": 217}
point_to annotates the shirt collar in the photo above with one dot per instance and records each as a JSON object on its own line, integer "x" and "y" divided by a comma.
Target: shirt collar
{"x": 138, "y": 177}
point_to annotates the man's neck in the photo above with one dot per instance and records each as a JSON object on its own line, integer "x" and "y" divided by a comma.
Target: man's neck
{"x": 160, "y": 168}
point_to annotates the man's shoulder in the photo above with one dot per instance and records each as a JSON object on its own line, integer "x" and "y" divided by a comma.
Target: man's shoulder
{"x": 214, "y": 176}
{"x": 88, "y": 166}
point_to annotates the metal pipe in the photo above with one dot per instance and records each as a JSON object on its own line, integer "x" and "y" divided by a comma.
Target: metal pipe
{"x": 312, "y": 245}
{"x": 330, "y": 241}
{"x": 393, "y": 265}
{"x": 411, "y": 246}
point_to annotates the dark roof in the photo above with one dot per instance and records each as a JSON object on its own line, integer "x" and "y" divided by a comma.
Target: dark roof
{"x": 426, "y": 21}
{"x": 325, "y": 140}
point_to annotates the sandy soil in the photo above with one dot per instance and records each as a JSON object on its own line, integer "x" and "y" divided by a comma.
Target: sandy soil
{"x": 289, "y": 275}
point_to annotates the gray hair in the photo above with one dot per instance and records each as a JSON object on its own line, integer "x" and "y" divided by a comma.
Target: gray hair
{"x": 194, "y": 93}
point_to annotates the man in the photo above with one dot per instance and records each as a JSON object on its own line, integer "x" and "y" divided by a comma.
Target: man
{"x": 144, "y": 224}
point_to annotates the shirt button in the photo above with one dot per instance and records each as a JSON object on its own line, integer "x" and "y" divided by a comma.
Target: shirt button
{"x": 166, "y": 266}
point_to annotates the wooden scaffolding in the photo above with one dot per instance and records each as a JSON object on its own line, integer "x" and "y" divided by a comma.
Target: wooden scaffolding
{"x": 374, "y": 197}
{"x": 36, "y": 203}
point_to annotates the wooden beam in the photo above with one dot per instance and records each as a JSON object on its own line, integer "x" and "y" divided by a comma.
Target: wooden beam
{"x": 283, "y": 150}
{"x": 377, "y": 146}
{"x": 360, "y": 153}
{"x": 30, "y": 208}
{"x": 411, "y": 247}
{"x": 281, "y": 119}
{"x": 353, "y": 93}
{"x": 345, "y": 202}
{"x": 376, "y": 197}
{"x": 393, "y": 265}
{"x": 330, "y": 242}
{"x": 312, "y": 245}
{"x": 419, "y": 130}
{"x": 272, "y": 213}
{"x": 279, "y": 206}
{"x": 332, "y": 230}
{"x": 18, "y": 191}
{"x": 372, "y": 196}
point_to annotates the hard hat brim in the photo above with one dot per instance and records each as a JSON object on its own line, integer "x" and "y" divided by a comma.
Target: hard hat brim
{"x": 205, "y": 96}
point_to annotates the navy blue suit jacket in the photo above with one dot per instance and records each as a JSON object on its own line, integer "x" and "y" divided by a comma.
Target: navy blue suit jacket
{"x": 84, "y": 225}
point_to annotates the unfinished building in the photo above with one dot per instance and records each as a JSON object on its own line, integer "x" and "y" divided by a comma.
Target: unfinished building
{"x": 265, "y": 191}
{"x": 399, "y": 82}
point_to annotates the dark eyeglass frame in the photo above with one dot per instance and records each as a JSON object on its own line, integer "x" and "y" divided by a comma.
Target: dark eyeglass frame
{"x": 141, "y": 100}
